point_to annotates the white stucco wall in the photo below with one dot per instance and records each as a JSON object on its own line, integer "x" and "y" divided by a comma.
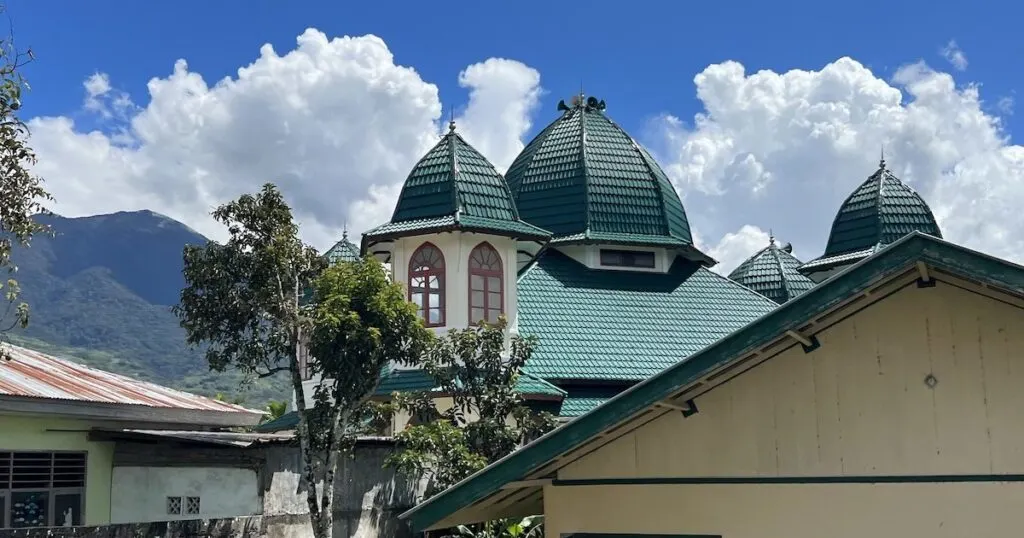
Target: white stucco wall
{"x": 139, "y": 494}
{"x": 590, "y": 256}
{"x": 455, "y": 246}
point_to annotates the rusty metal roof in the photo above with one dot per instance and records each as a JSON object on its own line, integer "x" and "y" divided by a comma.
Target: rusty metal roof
{"x": 33, "y": 374}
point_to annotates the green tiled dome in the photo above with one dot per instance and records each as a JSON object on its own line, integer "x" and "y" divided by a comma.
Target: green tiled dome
{"x": 882, "y": 210}
{"x": 772, "y": 272}
{"x": 343, "y": 251}
{"x": 455, "y": 187}
{"x": 584, "y": 179}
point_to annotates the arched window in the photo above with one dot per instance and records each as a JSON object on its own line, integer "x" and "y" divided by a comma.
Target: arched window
{"x": 486, "y": 289}
{"x": 426, "y": 284}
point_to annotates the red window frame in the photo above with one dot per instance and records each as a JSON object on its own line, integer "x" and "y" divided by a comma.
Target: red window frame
{"x": 486, "y": 276}
{"x": 427, "y": 274}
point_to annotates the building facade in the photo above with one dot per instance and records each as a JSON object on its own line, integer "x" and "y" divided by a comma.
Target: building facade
{"x": 60, "y": 465}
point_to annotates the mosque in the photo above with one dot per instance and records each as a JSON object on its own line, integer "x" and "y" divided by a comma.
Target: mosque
{"x": 586, "y": 245}
{"x": 871, "y": 391}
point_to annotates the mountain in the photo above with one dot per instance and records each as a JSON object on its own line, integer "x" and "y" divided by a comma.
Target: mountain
{"x": 100, "y": 291}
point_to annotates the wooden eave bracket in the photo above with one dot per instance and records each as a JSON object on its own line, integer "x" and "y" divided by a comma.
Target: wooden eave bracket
{"x": 689, "y": 408}
{"x": 809, "y": 343}
{"x": 926, "y": 280}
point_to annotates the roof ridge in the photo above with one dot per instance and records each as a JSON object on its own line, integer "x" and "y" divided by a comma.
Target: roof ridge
{"x": 453, "y": 161}
{"x": 581, "y": 110}
{"x": 774, "y": 250}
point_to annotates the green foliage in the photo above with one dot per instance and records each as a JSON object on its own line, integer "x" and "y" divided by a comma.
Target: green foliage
{"x": 246, "y": 302}
{"x": 488, "y": 419}
{"x": 275, "y": 410}
{"x": 21, "y": 193}
{"x": 528, "y": 527}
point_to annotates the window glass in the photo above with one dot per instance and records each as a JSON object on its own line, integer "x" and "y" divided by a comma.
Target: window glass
{"x": 486, "y": 297}
{"x": 426, "y": 284}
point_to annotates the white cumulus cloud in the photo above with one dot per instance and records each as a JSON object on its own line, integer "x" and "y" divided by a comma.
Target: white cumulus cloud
{"x": 335, "y": 123}
{"x": 954, "y": 55}
{"x": 783, "y": 150}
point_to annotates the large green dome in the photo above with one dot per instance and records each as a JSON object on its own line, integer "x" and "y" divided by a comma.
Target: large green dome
{"x": 454, "y": 187}
{"x": 585, "y": 180}
{"x": 882, "y": 210}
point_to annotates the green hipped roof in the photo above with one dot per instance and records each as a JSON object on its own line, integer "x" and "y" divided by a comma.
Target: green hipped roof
{"x": 455, "y": 187}
{"x": 622, "y": 325}
{"x": 584, "y": 178}
{"x": 410, "y": 380}
{"x": 580, "y": 400}
{"x": 343, "y": 251}
{"x": 887, "y": 263}
{"x": 881, "y": 211}
{"x": 413, "y": 380}
{"x": 773, "y": 272}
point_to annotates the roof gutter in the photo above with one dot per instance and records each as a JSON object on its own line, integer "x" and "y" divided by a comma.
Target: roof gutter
{"x": 158, "y": 416}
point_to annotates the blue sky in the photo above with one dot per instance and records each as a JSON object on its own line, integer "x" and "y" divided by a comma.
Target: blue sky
{"x": 641, "y": 57}
{"x": 641, "y": 60}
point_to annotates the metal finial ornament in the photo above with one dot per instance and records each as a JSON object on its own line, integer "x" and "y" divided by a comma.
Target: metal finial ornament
{"x": 451, "y": 121}
{"x": 881, "y": 162}
{"x": 344, "y": 231}
{"x": 771, "y": 237}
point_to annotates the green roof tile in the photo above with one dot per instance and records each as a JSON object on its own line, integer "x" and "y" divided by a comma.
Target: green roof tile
{"x": 583, "y": 176}
{"x": 879, "y": 212}
{"x": 773, "y": 272}
{"x": 454, "y": 187}
{"x": 579, "y": 401}
{"x": 343, "y": 251}
{"x": 626, "y": 326}
{"x": 413, "y": 380}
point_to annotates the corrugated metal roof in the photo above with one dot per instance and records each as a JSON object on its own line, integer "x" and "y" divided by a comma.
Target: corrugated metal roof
{"x": 38, "y": 375}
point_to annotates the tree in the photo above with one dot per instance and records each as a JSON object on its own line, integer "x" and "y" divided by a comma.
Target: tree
{"x": 488, "y": 418}
{"x": 21, "y": 193}
{"x": 263, "y": 298}
{"x": 275, "y": 410}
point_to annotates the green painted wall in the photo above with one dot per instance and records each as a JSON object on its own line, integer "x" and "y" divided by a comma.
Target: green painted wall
{"x": 35, "y": 433}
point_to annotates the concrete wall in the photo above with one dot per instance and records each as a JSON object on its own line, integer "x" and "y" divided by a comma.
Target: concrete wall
{"x": 49, "y": 434}
{"x": 139, "y": 494}
{"x": 243, "y": 527}
{"x": 368, "y": 498}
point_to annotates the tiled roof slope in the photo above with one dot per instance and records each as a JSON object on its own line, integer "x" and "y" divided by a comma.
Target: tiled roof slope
{"x": 408, "y": 380}
{"x": 583, "y": 175}
{"x": 773, "y": 272}
{"x": 882, "y": 210}
{"x": 625, "y": 326}
{"x": 451, "y": 187}
{"x": 580, "y": 400}
{"x": 343, "y": 251}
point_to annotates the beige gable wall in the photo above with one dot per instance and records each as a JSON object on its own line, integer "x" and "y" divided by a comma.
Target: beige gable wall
{"x": 858, "y": 405}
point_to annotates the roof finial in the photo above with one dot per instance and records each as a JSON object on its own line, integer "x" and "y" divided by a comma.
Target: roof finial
{"x": 881, "y": 162}
{"x": 771, "y": 237}
{"x": 344, "y": 231}
{"x": 451, "y": 120}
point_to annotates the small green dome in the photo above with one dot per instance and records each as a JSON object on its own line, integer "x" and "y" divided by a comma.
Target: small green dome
{"x": 772, "y": 272}
{"x": 342, "y": 251}
{"x": 882, "y": 210}
{"x": 585, "y": 179}
{"x": 454, "y": 187}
